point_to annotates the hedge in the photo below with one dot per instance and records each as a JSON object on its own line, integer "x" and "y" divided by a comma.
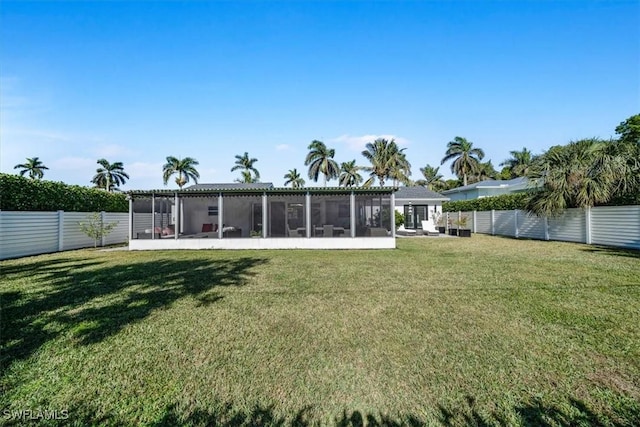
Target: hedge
{"x": 23, "y": 194}
{"x": 502, "y": 202}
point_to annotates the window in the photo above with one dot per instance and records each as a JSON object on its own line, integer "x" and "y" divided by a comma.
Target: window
{"x": 213, "y": 210}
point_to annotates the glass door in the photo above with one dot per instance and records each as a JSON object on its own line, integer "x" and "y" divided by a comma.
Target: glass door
{"x": 414, "y": 215}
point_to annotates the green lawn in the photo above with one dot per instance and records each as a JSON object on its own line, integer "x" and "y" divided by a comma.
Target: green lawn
{"x": 480, "y": 331}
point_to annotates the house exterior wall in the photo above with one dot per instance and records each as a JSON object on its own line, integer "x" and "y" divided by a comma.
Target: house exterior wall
{"x": 463, "y": 195}
{"x": 432, "y": 205}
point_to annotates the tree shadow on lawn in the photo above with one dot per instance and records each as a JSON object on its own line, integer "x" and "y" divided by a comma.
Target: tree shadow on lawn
{"x": 609, "y": 250}
{"x": 533, "y": 413}
{"x": 93, "y": 301}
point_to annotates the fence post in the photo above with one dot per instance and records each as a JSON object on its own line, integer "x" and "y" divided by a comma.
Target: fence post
{"x": 131, "y": 218}
{"x": 474, "y": 221}
{"x": 102, "y": 218}
{"x": 546, "y": 228}
{"x": 60, "y": 231}
{"x": 515, "y": 215}
{"x": 587, "y": 219}
{"x": 493, "y": 222}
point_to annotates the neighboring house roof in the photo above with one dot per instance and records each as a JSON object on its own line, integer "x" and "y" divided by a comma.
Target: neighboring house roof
{"x": 230, "y": 186}
{"x": 418, "y": 193}
{"x": 511, "y": 185}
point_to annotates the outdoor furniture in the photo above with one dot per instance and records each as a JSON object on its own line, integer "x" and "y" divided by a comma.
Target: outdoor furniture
{"x": 335, "y": 231}
{"x": 378, "y": 232}
{"x": 426, "y": 231}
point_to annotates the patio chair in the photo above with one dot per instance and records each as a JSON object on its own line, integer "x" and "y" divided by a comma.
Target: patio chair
{"x": 327, "y": 231}
{"x": 426, "y": 229}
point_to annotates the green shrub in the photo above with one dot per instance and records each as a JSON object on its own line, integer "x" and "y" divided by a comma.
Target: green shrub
{"x": 399, "y": 218}
{"x": 502, "y": 202}
{"x": 21, "y": 194}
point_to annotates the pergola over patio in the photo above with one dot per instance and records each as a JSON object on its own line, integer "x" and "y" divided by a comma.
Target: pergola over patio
{"x": 252, "y": 216}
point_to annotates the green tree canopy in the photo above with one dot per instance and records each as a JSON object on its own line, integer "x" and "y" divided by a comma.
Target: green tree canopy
{"x": 432, "y": 178}
{"x": 246, "y": 164}
{"x": 466, "y": 158}
{"x": 519, "y": 163}
{"x": 388, "y": 161}
{"x": 33, "y": 166}
{"x": 580, "y": 174}
{"x": 185, "y": 168}
{"x": 320, "y": 161}
{"x": 629, "y": 130}
{"x": 109, "y": 175}
{"x": 349, "y": 176}
{"x": 294, "y": 179}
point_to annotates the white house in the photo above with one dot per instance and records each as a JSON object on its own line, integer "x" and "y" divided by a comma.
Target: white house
{"x": 418, "y": 204}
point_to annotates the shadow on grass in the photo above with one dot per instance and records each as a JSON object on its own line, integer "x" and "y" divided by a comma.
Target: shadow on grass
{"x": 536, "y": 413}
{"x": 92, "y": 300}
{"x": 608, "y": 250}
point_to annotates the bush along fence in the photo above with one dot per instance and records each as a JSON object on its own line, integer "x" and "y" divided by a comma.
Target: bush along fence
{"x": 604, "y": 225}
{"x": 22, "y": 194}
{"x": 33, "y": 233}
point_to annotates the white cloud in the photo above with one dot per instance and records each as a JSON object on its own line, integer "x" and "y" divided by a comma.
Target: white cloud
{"x": 283, "y": 147}
{"x": 358, "y": 143}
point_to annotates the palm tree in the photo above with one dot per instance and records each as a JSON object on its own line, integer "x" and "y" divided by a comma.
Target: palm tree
{"x": 320, "y": 161}
{"x": 246, "y": 163}
{"x": 185, "y": 168}
{"x": 399, "y": 166}
{"x": 293, "y": 177}
{"x": 465, "y": 158}
{"x": 432, "y": 178}
{"x": 33, "y": 166}
{"x": 580, "y": 174}
{"x": 349, "y": 176}
{"x": 485, "y": 171}
{"x": 109, "y": 176}
{"x": 387, "y": 161}
{"x": 519, "y": 163}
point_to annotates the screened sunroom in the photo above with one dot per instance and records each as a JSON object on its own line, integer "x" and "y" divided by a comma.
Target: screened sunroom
{"x": 245, "y": 216}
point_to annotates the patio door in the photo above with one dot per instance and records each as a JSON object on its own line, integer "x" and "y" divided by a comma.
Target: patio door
{"x": 414, "y": 215}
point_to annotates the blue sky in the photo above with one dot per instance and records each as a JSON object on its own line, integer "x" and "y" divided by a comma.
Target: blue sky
{"x": 139, "y": 81}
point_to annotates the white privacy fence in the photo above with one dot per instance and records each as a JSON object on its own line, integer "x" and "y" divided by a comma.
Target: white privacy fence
{"x": 32, "y": 233}
{"x": 606, "y": 225}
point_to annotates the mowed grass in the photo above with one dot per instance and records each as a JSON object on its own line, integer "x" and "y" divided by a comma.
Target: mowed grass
{"x": 480, "y": 331}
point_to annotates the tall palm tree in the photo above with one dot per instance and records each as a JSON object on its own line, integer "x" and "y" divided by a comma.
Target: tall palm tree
{"x": 110, "y": 175}
{"x": 349, "y": 176}
{"x": 580, "y": 174}
{"x": 185, "y": 168}
{"x": 246, "y": 164}
{"x": 519, "y": 163}
{"x": 399, "y": 166}
{"x": 293, "y": 177}
{"x": 320, "y": 161}
{"x": 387, "y": 160}
{"x": 432, "y": 178}
{"x": 33, "y": 166}
{"x": 466, "y": 159}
